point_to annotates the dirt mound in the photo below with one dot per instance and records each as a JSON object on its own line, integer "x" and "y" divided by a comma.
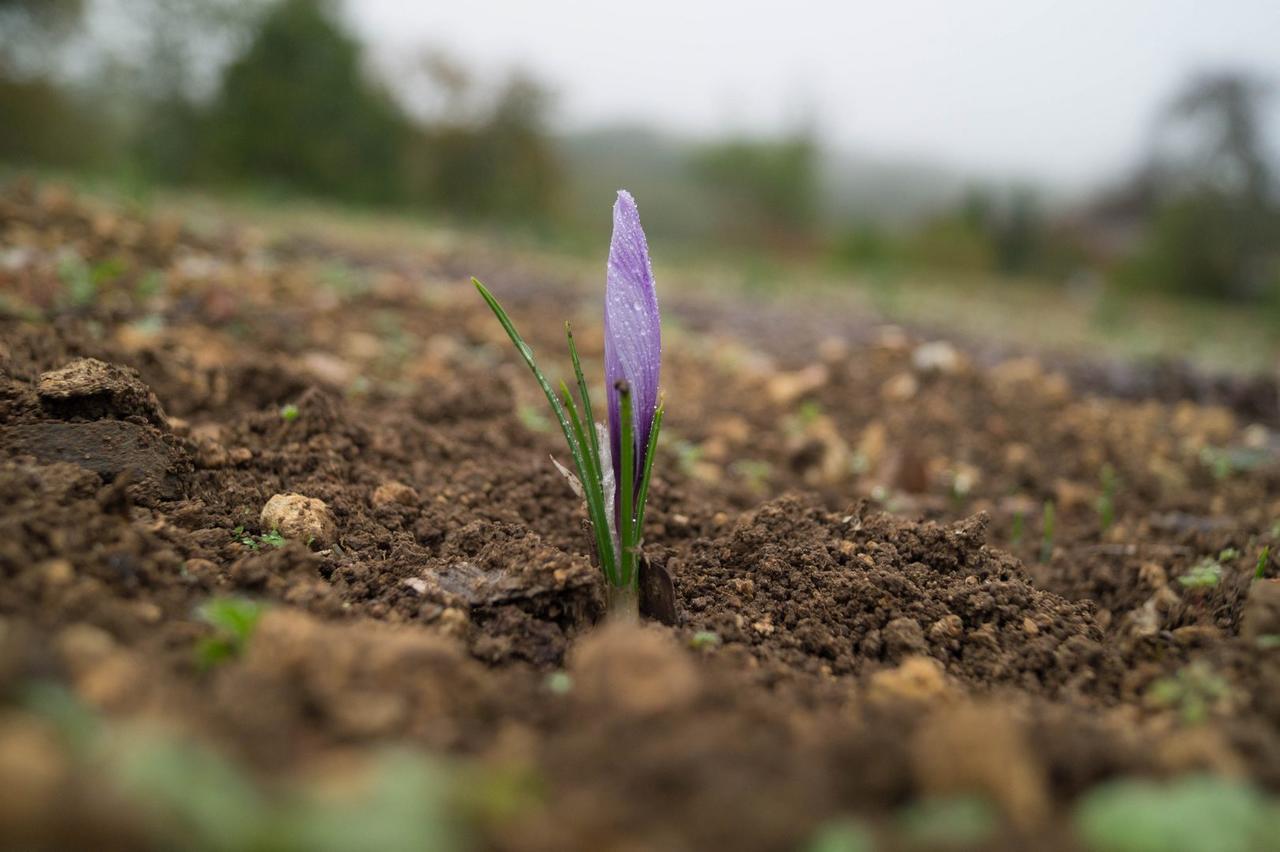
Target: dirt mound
{"x": 847, "y": 593}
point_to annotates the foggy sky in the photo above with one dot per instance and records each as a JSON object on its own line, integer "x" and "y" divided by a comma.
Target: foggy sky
{"x": 1063, "y": 91}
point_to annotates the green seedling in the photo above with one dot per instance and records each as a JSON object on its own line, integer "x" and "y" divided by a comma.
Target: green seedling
{"x": 255, "y": 542}
{"x": 1260, "y": 570}
{"x": 1194, "y": 692}
{"x": 688, "y": 454}
{"x": 1047, "y": 523}
{"x": 754, "y": 472}
{"x": 704, "y": 639}
{"x": 1192, "y": 814}
{"x": 844, "y": 834}
{"x": 1205, "y": 574}
{"x": 78, "y": 279}
{"x": 1226, "y": 462}
{"x": 233, "y": 621}
{"x": 183, "y": 795}
{"x": 289, "y": 413}
{"x": 533, "y": 419}
{"x": 940, "y": 823}
{"x": 1018, "y": 529}
{"x": 1106, "y": 504}
{"x": 559, "y": 683}
{"x": 809, "y": 411}
{"x": 343, "y": 279}
{"x": 149, "y": 285}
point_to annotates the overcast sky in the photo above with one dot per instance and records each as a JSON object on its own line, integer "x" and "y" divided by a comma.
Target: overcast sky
{"x": 1060, "y": 90}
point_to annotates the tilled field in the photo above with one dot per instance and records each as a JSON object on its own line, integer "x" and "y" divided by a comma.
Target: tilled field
{"x": 926, "y": 599}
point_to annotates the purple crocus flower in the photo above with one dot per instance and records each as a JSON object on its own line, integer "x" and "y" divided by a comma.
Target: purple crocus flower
{"x": 632, "y": 337}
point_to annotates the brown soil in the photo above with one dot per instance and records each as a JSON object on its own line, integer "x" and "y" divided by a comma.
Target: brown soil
{"x": 859, "y": 520}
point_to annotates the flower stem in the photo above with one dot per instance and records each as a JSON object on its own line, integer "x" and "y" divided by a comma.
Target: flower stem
{"x": 623, "y": 603}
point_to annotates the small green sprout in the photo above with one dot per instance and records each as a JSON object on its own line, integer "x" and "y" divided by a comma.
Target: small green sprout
{"x": 944, "y": 822}
{"x": 1205, "y": 574}
{"x": 1190, "y": 814}
{"x": 845, "y": 834}
{"x": 1194, "y": 691}
{"x": 1228, "y": 554}
{"x": 704, "y": 639}
{"x": 559, "y": 683}
{"x": 533, "y": 419}
{"x": 1264, "y": 557}
{"x": 808, "y": 413}
{"x": 255, "y": 542}
{"x": 149, "y": 285}
{"x": 77, "y": 278}
{"x": 754, "y": 472}
{"x": 1018, "y": 530}
{"x": 1225, "y": 462}
{"x": 244, "y": 538}
{"x": 1106, "y": 504}
{"x": 274, "y": 539}
{"x": 233, "y": 621}
{"x": 688, "y": 454}
{"x": 289, "y": 413}
{"x": 1047, "y": 523}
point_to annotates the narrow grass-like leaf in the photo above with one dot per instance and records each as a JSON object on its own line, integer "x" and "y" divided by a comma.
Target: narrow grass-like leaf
{"x": 576, "y": 448}
{"x": 642, "y": 497}
{"x": 626, "y": 488}
{"x": 593, "y": 493}
{"x": 585, "y": 393}
{"x": 527, "y": 354}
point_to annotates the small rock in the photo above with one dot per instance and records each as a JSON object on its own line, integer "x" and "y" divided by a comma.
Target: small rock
{"x": 633, "y": 670}
{"x": 903, "y": 637}
{"x": 786, "y": 388}
{"x": 302, "y": 518}
{"x": 1196, "y": 635}
{"x": 91, "y": 389}
{"x": 918, "y": 680}
{"x": 982, "y": 749}
{"x": 392, "y": 492}
{"x": 936, "y": 357}
{"x": 210, "y": 455}
{"x": 416, "y": 584}
{"x": 900, "y": 388}
{"x": 1261, "y": 610}
{"x": 329, "y": 369}
{"x": 946, "y": 629}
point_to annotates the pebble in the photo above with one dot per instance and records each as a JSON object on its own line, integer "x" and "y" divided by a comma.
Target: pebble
{"x": 305, "y": 519}
{"x": 394, "y": 493}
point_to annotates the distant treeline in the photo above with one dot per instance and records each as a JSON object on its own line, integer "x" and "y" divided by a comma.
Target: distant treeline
{"x": 279, "y": 95}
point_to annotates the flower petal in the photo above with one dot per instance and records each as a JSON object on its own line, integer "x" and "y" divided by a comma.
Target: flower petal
{"x": 632, "y": 335}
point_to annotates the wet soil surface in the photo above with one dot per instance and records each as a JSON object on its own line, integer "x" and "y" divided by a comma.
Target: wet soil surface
{"x": 902, "y": 572}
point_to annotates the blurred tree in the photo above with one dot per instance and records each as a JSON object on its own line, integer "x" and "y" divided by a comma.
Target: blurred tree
{"x": 297, "y": 107}
{"x": 28, "y": 30}
{"x": 765, "y": 189}
{"x": 1215, "y": 226}
{"x": 171, "y": 77}
{"x": 41, "y": 121}
{"x": 493, "y": 160}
